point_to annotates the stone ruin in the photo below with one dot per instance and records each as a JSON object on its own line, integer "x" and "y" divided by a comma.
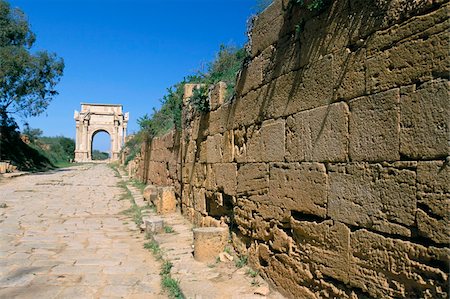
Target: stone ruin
{"x": 330, "y": 165}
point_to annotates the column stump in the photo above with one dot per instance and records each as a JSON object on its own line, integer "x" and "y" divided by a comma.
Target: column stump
{"x": 154, "y": 225}
{"x": 209, "y": 242}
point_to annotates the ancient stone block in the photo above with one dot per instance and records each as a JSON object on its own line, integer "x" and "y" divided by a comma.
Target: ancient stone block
{"x": 225, "y": 175}
{"x": 287, "y": 273}
{"x": 217, "y": 95}
{"x": 326, "y": 244}
{"x": 433, "y": 177}
{"x": 218, "y": 119}
{"x": 158, "y": 173}
{"x": 374, "y": 127}
{"x": 385, "y": 267}
{"x": 301, "y": 90}
{"x": 209, "y": 242}
{"x": 266, "y": 28}
{"x": 434, "y": 228}
{"x": 199, "y": 200}
{"x": 433, "y": 219}
{"x": 408, "y": 62}
{"x": 298, "y": 187}
{"x": 367, "y": 195}
{"x": 266, "y": 144}
{"x": 253, "y": 179}
{"x": 349, "y": 74}
{"x": 273, "y": 140}
{"x": 319, "y": 134}
{"x": 228, "y": 147}
{"x": 214, "y": 150}
{"x": 253, "y": 73}
{"x": 425, "y": 121}
{"x": 248, "y": 109}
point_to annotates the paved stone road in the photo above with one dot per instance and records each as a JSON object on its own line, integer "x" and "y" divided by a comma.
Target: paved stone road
{"x": 62, "y": 236}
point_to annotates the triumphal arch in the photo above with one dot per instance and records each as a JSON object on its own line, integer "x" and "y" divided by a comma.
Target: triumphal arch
{"x": 94, "y": 118}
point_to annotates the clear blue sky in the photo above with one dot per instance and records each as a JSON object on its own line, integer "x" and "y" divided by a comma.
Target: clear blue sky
{"x": 127, "y": 51}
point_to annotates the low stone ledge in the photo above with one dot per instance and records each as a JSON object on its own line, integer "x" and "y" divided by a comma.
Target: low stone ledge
{"x": 209, "y": 242}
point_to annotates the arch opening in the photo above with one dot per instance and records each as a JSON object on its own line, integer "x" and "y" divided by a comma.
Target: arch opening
{"x": 101, "y": 145}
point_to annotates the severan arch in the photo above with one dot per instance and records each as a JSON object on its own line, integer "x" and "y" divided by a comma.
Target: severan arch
{"x": 94, "y": 118}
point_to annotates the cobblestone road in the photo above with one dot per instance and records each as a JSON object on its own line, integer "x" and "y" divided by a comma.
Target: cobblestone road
{"x": 62, "y": 236}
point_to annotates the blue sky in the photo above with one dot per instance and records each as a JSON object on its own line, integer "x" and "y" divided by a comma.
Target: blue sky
{"x": 127, "y": 52}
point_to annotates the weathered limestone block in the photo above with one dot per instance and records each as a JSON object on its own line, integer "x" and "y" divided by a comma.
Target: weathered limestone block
{"x": 349, "y": 74}
{"x": 199, "y": 200}
{"x": 248, "y": 109}
{"x": 429, "y": 24}
{"x": 225, "y": 175}
{"x": 266, "y": 144}
{"x": 217, "y": 95}
{"x": 408, "y": 62}
{"x": 253, "y": 180}
{"x": 214, "y": 151}
{"x": 301, "y": 90}
{"x": 218, "y": 119}
{"x": 254, "y": 73}
{"x": 326, "y": 245}
{"x": 166, "y": 200}
{"x": 320, "y": 134}
{"x": 153, "y": 225}
{"x": 266, "y": 27}
{"x": 385, "y": 267}
{"x": 158, "y": 173}
{"x": 425, "y": 121}
{"x": 287, "y": 273}
{"x": 298, "y": 187}
{"x": 433, "y": 219}
{"x": 209, "y": 242}
{"x": 371, "y": 196}
{"x": 374, "y": 127}
{"x": 150, "y": 193}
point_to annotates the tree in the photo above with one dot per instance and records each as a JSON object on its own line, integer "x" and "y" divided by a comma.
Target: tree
{"x": 27, "y": 80}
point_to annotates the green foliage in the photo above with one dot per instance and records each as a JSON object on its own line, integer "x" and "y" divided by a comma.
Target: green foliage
{"x": 241, "y": 261}
{"x": 313, "y": 5}
{"x": 172, "y": 287}
{"x": 252, "y": 273}
{"x": 154, "y": 248}
{"x": 165, "y": 268}
{"x": 27, "y": 80}
{"x": 224, "y": 68}
{"x": 168, "y": 229}
{"x": 199, "y": 99}
{"x": 98, "y": 155}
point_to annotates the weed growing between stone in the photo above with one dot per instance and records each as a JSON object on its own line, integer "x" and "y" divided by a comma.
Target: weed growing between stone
{"x": 168, "y": 229}
{"x": 3, "y": 205}
{"x": 138, "y": 184}
{"x": 241, "y": 261}
{"x": 153, "y": 246}
{"x": 168, "y": 283}
{"x": 252, "y": 273}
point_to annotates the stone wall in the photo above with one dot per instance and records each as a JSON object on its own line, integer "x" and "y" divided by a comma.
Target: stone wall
{"x": 330, "y": 165}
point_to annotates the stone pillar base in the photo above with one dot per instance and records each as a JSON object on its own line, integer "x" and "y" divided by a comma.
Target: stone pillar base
{"x": 209, "y": 242}
{"x": 166, "y": 202}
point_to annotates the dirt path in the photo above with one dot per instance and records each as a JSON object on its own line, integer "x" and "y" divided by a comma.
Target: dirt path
{"x": 62, "y": 236}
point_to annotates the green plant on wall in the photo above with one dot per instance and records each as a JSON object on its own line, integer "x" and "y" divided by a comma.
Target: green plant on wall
{"x": 312, "y": 5}
{"x": 199, "y": 99}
